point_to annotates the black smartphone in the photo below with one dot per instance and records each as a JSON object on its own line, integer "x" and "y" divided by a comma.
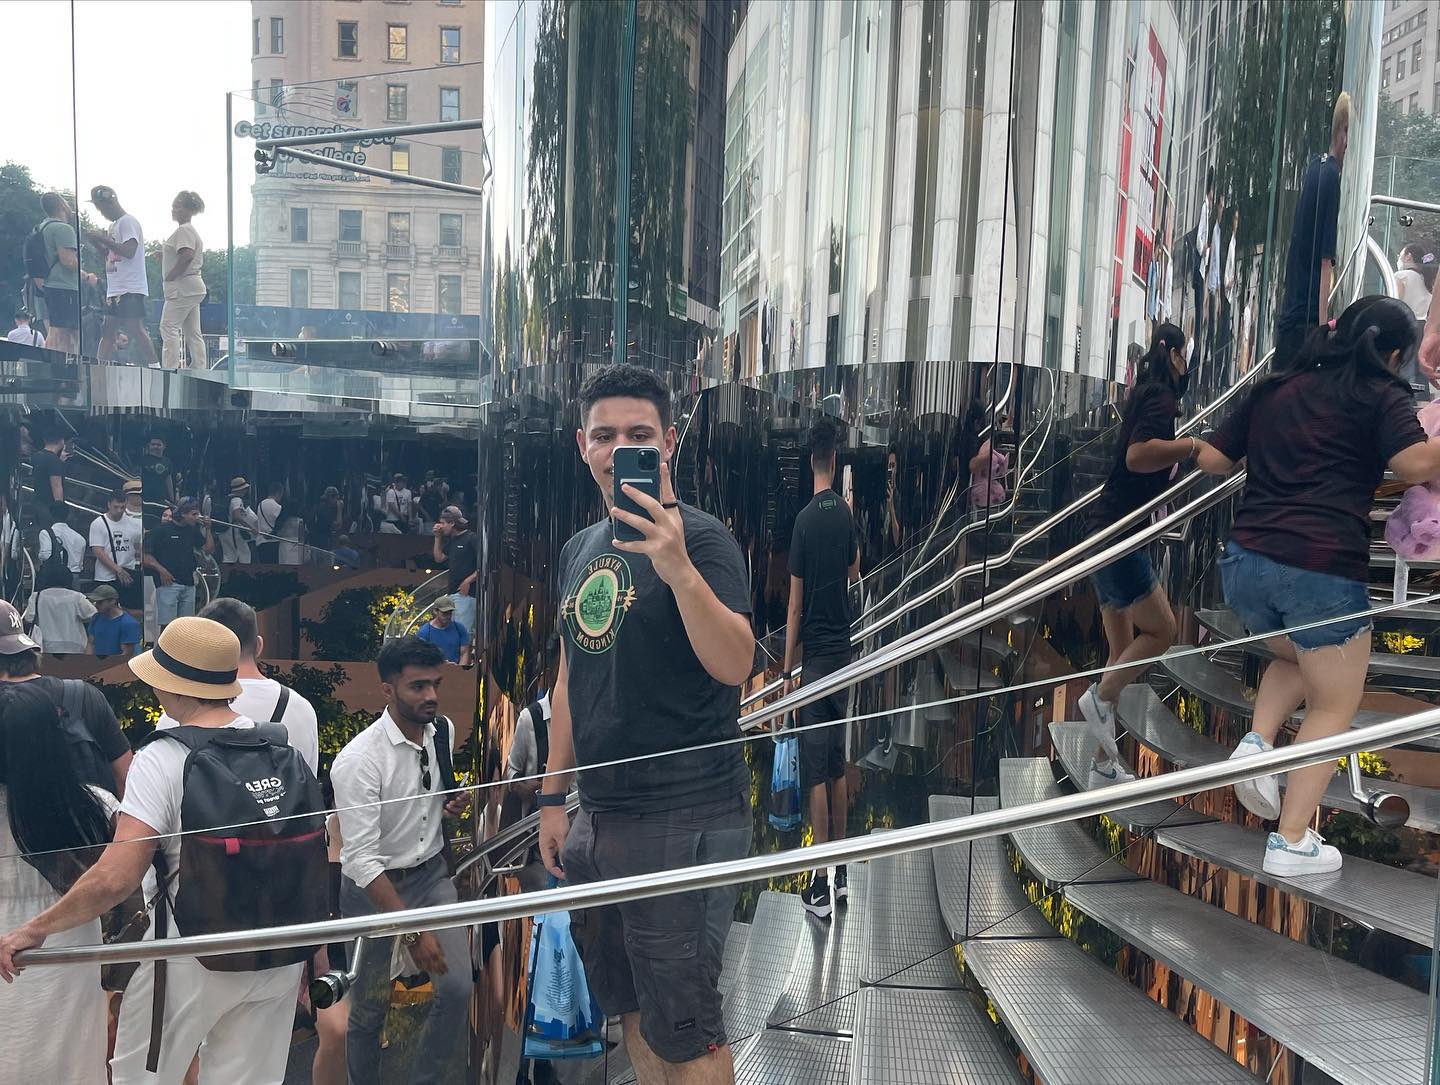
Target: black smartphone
{"x": 638, "y": 466}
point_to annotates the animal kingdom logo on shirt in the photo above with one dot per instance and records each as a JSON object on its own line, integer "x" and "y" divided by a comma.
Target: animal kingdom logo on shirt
{"x": 597, "y": 604}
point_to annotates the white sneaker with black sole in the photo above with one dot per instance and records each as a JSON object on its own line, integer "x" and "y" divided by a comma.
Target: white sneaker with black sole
{"x": 1261, "y": 796}
{"x": 1310, "y": 856}
{"x": 1107, "y": 774}
{"x": 1100, "y": 715}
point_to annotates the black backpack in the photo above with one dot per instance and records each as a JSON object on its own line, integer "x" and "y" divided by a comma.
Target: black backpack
{"x": 54, "y": 571}
{"x": 37, "y": 259}
{"x": 253, "y": 850}
{"x": 89, "y": 760}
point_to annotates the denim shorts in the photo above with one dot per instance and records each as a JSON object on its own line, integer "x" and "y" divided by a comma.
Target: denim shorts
{"x": 1268, "y": 596}
{"x": 1126, "y": 581}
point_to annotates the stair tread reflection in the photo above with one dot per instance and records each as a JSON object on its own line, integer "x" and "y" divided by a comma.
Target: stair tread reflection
{"x": 1075, "y": 744}
{"x": 1061, "y": 853}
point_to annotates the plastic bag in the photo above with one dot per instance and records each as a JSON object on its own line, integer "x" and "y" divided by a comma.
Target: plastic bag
{"x": 1413, "y": 530}
{"x": 785, "y": 784}
{"x": 563, "y": 1019}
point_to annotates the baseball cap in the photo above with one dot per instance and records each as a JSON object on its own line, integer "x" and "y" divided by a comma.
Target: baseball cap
{"x": 134, "y": 486}
{"x": 445, "y": 603}
{"x": 13, "y": 640}
{"x": 101, "y": 192}
{"x": 451, "y": 514}
{"x": 100, "y": 592}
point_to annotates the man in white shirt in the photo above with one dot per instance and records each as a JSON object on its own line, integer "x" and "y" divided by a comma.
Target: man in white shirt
{"x": 235, "y": 539}
{"x": 267, "y": 548}
{"x": 264, "y": 698}
{"x": 126, "y": 288}
{"x": 391, "y": 858}
{"x": 23, "y": 333}
{"x": 400, "y": 505}
{"x": 115, "y": 540}
{"x": 243, "y": 1019}
{"x": 62, "y": 617}
{"x": 70, "y": 540}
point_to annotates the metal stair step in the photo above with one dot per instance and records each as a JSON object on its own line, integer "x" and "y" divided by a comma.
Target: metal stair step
{"x": 1154, "y": 725}
{"x": 1075, "y": 744}
{"x": 1399, "y": 901}
{"x": 764, "y": 969}
{"x": 980, "y": 896}
{"x": 782, "y": 1057}
{"x": 1386, "y": 668}
{"x": 820, "y": 993}
{"x": 906, "y": 942}
{"x": 1352, "y": 1024}
{"x": 1080, "y": 1024}
{"x": 1061, "y": 853}
{"x": 927, "y": 1037}
{"x": 735, "y": 943}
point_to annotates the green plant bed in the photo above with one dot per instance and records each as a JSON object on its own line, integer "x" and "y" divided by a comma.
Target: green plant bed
{"x": 352, "y": 625}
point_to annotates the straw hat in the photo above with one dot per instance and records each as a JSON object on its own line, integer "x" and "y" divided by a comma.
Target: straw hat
{"x": 194, "y": 657}
{"x": 238, "y": 485}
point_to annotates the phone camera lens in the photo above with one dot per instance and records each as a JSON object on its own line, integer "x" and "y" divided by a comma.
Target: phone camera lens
{"x": 647, "y": 458}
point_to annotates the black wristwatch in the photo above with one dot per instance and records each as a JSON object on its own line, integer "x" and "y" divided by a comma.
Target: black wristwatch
{"x": 556, "y": 798}
{"x": 410, "y": 938}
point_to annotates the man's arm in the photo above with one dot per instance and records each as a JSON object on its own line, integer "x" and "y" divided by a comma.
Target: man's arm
{"x": 121, "y": 769}
{"x": 1327, "y": 284}
{"x": 69, "y": 258}
{"x": 792, "y": 625}
{"x": 554, "y": 821}
{"x": 115, "y": 875}
{"x": 209, "y": 537}
{"x": 102, "y": 556}
{"x": 1430, "y": 341}
{"x": 151, "y": 563}
{"x": 436, "y": 550}
{"x": 57, "y": 488}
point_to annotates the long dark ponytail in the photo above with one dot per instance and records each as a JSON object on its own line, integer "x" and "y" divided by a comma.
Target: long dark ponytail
{"x": 1354, "y": 346}
{"x": 58, "y": 823}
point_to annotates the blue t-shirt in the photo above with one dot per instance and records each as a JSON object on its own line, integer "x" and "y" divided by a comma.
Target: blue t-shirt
{"x": 111, "y": 634}
{"x": 448, "y": 640}
{"x": 1312, "y": 239}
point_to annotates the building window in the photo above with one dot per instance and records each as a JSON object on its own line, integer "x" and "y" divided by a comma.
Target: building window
{"x": 345, "y": 98}
{"x": 299, "y": 224}
{"x": 255, "y": 97}
{"x": 277, "y": 94}
{"x": 349, "y": 47}
{"x": 398, "y": 47}
{"x": 397, "y": 227}
{"x": 395, "y": 102}
{"x": 1385, "y": 74}
{"x": 1400, "y": 65}
{"x": 447, "y": 296}
{"x": 348, "y": 289}
{"x": 299, "y": 288}
{"x": 1415, "y": 58}
{"x": 452, "y": 231}
{"x": 449, "y": 45}
{"x": 449, "y": 103}
{"x": 400, "y": 158}
{"x": 450, "y": 165}
{"x": 255, "y": 37}
{"x": 397, "y": 293}
{"x": 1415, "y": 102}
{"x": 1435, "y": 106}
{"x": 277, "y": 35}
{"x": 352, "y": 228}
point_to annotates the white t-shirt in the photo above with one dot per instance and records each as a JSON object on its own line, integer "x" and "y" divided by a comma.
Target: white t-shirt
{"x": 124, "y": 276}
{"x": 189, "y": 284}
{"x": 258, "y": 701}
{"x": 60, "y": 617}
{"x": 120, "y": 541}
{"x": 1413, "y": 292}
{"x": 27, "y": 335}
{"x": 269, "y": 519}
{"x": 70, "y": 539}
{"x": 154, "y": 788}
{"x": 397, "y": 504}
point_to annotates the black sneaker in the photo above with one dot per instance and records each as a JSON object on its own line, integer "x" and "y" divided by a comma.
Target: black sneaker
{"x": 816, "y": 898}
{"x": 842, "y": 885}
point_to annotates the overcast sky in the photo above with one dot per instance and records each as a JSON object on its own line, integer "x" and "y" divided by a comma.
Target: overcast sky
{"x": 150, "y": 78}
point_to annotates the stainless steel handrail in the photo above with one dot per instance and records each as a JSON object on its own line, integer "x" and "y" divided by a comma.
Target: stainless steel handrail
{"x": 1408, "y": 204}
{"x": 1387, "y": 275}
{"x": 664, "y": 882}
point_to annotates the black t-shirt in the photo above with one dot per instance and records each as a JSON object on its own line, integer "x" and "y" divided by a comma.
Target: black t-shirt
{"x": 461, "y": 555}
{"x": 822, "y": 549}
{"x": 97, "y": 716}
{"x": 1150, "y": 416}
{"x": 46, "y": 465}
{"x": 636, "y": 687}
{"x": 1312, "y": 239}
{"x": 155, "y": 473}
{"x": 1315, "y": 456}
{"x": 173, "y": 546}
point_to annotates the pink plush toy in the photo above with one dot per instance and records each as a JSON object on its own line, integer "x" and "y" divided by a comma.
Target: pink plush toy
{"x": 1413, "y": 530}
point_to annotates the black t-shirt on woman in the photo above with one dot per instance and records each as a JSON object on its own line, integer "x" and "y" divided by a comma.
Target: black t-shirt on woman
{"x": 1315, "y": 456}
{"x": 1151, "y": 416}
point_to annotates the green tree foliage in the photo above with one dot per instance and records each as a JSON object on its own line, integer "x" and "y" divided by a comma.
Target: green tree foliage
{"x": 215, "y": 271}
{"x": 352, "y": 625}
{"x": 19, "y": 212}
{"x": 1303, "y": 45}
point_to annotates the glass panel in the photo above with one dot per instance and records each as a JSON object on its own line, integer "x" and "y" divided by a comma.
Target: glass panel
{"x": 395, "y": 102}
{"x": 348, "y": 40}
{"x": 451, "y": 166}
{"x": 299, "y": 224}
{"x": 449, "y": 103}
{"x": 277, "y": 35}
{"x": 300, "y": 288}
{"x": 449, "y": 45}
{"x": 398, "y": 42}
{"x": 397, "y": 293}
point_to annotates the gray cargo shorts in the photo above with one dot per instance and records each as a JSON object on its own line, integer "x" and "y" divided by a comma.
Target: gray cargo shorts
{"x": 659, "y": 956}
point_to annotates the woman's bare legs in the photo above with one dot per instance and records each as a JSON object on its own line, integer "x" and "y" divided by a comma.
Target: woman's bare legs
{"x": 1141, "y": 631}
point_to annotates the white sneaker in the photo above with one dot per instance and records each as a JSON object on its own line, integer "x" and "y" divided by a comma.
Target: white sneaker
{"x": 1261, "y": 796}
{"x": 1100, "y": 715}
{"x": 1311, "y": 856}
{"x": 1107, "y": 773}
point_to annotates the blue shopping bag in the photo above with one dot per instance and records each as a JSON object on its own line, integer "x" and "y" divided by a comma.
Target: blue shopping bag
{"x": 562, "y": 1018}
{"x": 785, "y": 783}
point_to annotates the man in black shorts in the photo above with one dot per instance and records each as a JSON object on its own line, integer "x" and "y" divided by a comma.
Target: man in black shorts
{"x": 824, "y": 558}
{"x": 655, "y": 641}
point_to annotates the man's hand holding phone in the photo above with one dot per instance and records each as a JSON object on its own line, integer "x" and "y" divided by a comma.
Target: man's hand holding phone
{"x": 663, "y": 540}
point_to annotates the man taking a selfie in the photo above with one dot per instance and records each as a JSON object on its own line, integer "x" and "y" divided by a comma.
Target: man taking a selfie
{"x": 655, "y": 641}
